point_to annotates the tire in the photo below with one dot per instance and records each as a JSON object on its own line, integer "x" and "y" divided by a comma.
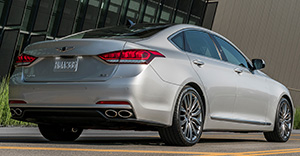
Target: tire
{"x": 188, "y": 120}
{"x": 56, "y": 133}
{"x": 283, "y": 123}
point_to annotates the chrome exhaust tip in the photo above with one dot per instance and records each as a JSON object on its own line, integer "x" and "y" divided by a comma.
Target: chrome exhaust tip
{"x": 74, "y": 130}
{"x": 111, "y": 113}
{"x": 18, "y": 111}
{"x": 125, "y": 114}
{"x": 12, "y": 112}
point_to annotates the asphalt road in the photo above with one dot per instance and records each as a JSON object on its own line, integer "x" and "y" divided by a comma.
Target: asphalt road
{"x": 29, "y": 142}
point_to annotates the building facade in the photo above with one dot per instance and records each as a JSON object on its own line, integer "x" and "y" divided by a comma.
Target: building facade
{"x": 267, "y": 29}
{"x": 27, "y": 21}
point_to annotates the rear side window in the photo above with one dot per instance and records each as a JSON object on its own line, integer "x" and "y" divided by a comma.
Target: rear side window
{"x": 200, "y": 43}
{"x": 178, "y": 40}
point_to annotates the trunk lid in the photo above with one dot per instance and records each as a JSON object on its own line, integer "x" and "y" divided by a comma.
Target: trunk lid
{"x": 71, "y": 60}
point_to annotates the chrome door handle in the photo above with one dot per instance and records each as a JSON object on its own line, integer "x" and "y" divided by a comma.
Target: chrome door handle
{"x": 238, "y": 70}
{"x": 198, "y": 62}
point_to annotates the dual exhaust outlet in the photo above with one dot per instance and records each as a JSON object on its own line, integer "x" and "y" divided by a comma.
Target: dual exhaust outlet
{"x": 16, "y": 112}
{"x": 121, "y": 113}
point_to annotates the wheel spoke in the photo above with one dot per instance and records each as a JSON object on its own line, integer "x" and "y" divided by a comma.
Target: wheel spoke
{"x": 183, "y": 121}
{"x": 185, "y": 130}
{"x": 195, "y": 129}
{"x": 196, "y": 113}
{"x": 190, "y": 132}
{"x": 282, "y": 130}
{"x": 190, "y": 101}
{"x": 195, "y": 104}
{"x": 182, "y": 109}
{"x": 196, "y": 121}
{"x": 185, "y": 102}
{"x": 284, "y": 109}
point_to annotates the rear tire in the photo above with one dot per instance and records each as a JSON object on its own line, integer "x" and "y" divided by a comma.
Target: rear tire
{"x": 283, "y": 123}
{"x": 188, "y": 120}
{"x": 57, "y": 133}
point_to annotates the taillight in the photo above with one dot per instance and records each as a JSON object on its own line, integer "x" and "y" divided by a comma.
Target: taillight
{"x": 17, "y": 102}
{"x": 25, "y": 60}
{"x": 135, "y": 56}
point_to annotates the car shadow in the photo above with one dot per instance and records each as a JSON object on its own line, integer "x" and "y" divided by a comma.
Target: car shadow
{"x": 151, "y": 141}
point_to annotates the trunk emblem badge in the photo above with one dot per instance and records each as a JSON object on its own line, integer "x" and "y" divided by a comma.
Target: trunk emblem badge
{"x": 64, "y": 49}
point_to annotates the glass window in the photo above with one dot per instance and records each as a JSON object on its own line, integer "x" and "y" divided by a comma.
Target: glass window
{"x": 183, "y": 8}
{"x": 210, "y": 12}
{"x": 178, "y": 40}
{"x": 68, "y": 18}
{"x": 167, "y": 11}
{"x": 1, "y": 8}
{"x": 233, "y": 55}
{"x": 92, "y": 13}
{"x": 151, "y": 11}
{"x": 133, "y": 10}
{"x": 135, "y": 32}
{"x": 43, "y": 15}
{"x": 114, "y": 10}
{"x": 37, "y": 38}
{"x": 15, "y": 17}
{"x": 7, "y": 49}
{"x": 197, "y": 12}
{"x": 200, "y": 43}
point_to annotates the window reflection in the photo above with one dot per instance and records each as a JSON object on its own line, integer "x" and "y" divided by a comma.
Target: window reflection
{"x": 92, "y": 14}
{"x": 133, "y": 10}
{"x": 150, "y": 12}
{"x": 167, "y": 11}
{"x": 114, "y": 10}
{"x": 68, "y": 18}
{"x": 43, "y": 15}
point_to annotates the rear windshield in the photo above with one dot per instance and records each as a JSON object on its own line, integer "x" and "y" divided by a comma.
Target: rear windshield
{"x": 135, "y": 32}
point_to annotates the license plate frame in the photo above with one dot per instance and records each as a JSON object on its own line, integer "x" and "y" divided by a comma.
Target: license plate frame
{"x": 65, "y": 65}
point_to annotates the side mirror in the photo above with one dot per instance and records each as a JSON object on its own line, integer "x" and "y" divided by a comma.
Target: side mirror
{"x": 258, "y": 64}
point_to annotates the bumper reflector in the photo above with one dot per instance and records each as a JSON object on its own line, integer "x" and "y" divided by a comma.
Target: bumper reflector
{"x": 114, "y": 102}
{"x": 17, "y": 102}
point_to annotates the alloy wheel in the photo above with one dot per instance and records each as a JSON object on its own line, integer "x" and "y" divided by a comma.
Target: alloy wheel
{"x": 190, "y": 116}
{"x": 285, "y": 120}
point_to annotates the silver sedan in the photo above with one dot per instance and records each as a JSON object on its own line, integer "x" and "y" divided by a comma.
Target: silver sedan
{"x": 179, "y": 80}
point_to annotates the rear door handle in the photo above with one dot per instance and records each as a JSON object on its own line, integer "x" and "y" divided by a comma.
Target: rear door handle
{"x": 198, "y": 62}
{"x": 238, "y": 70}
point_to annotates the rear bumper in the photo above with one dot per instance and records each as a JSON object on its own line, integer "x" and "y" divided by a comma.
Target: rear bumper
{"x": 87, "y": 118}
{"x": 151, "y": 99}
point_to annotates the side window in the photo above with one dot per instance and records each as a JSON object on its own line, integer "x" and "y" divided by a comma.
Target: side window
{"x": 178, "y": 40}
{"x": 200, "y": 43}
{"x": 233, "y": 55}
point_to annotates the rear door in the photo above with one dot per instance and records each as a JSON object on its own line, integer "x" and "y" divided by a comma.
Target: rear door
{"x": 218, "y": 78}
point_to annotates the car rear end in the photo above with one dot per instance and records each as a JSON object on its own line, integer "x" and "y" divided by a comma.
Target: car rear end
{"x": 104, "y": 82}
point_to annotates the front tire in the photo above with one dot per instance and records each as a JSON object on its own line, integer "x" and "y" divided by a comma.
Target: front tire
{"x": 57, "y": 133}
{"x": 188, "y": 120}
{"x": 283, "y": 123}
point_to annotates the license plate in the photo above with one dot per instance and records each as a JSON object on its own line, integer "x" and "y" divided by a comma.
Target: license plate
{"x": 66, "y": 65}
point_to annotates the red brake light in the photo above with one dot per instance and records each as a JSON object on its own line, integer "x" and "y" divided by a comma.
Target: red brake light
{"x": 114, "y": 102}
{"x": 17, "y": 102}
{"x": 135, "y": 56}
{"x": 25, "y": 60}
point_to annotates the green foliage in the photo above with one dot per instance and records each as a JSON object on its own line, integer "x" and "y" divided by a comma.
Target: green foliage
{"x": 5, "y": 115}
{"x": 297, "y": 119}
